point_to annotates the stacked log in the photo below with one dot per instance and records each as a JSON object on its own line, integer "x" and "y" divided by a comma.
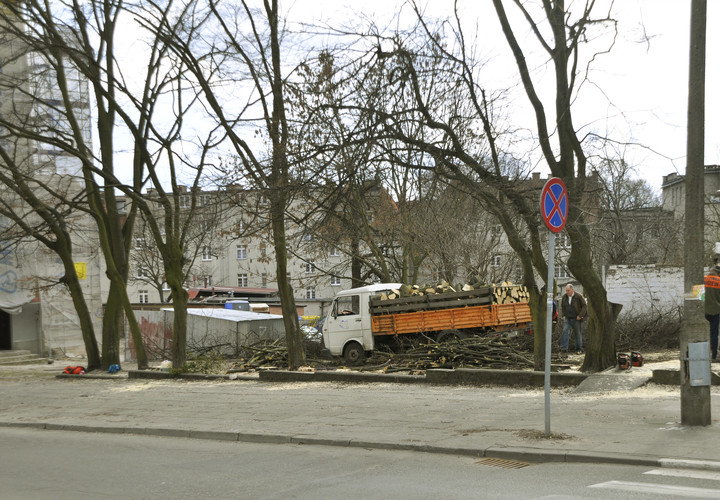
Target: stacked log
{"x": 410, "y": 298}
{"x": 507, "y": 293}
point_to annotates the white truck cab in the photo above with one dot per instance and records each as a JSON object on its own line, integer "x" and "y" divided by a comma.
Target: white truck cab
{"x": 347, "y": 331}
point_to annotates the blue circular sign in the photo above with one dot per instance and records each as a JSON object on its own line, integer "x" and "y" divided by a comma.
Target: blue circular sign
{"x": 554, "y": 204}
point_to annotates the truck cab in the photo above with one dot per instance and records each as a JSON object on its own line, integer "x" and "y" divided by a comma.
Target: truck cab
{"x": 347, "y": 331}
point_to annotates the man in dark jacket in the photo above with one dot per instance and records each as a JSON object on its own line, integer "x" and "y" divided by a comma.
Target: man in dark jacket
{"x": 574, "y": 309}
{"x": 712, "y": 307}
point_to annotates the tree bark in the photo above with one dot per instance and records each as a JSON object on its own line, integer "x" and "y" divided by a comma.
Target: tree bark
{"x": 86, "y": 324}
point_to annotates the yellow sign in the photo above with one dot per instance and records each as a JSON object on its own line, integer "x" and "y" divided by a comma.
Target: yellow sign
{"x": 81, "y": 270}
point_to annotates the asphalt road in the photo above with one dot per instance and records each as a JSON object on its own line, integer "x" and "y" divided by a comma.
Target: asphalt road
{"x": 41, "y": 464}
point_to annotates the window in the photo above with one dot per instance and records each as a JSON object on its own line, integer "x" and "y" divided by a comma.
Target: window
{"x": 334, "y": 252}
{"x": 263, "y": 250}
{"x": 496, "y": 230}
{"x": 346, "y": 305}
{"x": 142, "y": 272}
{"x": 310, "y": 292}
{"x": 143, "y": 296}
{"x": 240, "y": 226}
{"x": 208, "y": 280}
{"x": 495, "y": 261}
{"x": 204, "y": 200}
{"x": 309, "y": 268}
{"x": 335, "y": 281}
{"x": 242, "y": 280}
{"x": 184, "y": 201}
{"x": 165, "y": 287}
{"x": 206, "y": 253}
{"x": 241, "y": 251}
{"x": 139, "y": 243}
{"x": 307, "y": 237}
{"x": 561, "y": 272}
{"x": 264, "y": 280}
{"x": 562, "y": 240}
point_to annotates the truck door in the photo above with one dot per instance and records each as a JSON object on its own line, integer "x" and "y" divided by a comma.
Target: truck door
{"x": 345, "y": 322}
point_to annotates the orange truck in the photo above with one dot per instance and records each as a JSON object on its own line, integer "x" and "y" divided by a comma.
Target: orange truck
{"x": 360, "y": 318}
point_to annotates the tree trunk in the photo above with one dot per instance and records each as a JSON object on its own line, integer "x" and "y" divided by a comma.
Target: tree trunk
{"x": 293, "y": 335}
{"x": 112, "y": 326}
{"x": 86, "y": 325}
{"x": 355, "y": 264}
{"x": 538, "y": 310}
{"x": 179, "y": 346}
{"x": 600, "y": 329}
{"x": 174, "y": 276}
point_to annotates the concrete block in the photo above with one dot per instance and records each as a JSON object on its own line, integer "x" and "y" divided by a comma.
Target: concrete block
{"x": 672, "y": 377}
{"x": 215, "y": 435}
{"x": 263, "y": 438}
{"x": 471, "y": 376}
{"x": 611, "y": 458}
{"x": 165, "y": 432}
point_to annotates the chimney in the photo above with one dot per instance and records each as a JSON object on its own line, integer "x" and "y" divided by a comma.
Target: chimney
{"x": 536, "y": 176}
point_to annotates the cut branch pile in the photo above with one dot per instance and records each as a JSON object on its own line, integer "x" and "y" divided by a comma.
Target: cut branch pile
{"x": 473, "y": 352}
{"x": 263, "y": 355}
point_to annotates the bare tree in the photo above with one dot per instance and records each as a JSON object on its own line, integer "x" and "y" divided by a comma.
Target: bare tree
{"x": 631, "y": 227}
{"x": 247, "y": 51}
{"x": 151, "y": 107}
{"x": 561, "y": 33}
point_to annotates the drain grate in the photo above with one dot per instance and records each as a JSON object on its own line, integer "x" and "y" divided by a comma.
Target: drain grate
{"x": 503, "y": 463}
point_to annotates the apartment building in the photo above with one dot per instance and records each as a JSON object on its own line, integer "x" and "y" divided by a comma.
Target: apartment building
{"x": 36, "y": 312}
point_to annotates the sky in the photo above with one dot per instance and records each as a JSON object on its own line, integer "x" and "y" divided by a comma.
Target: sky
{"x": 637, "y": 94}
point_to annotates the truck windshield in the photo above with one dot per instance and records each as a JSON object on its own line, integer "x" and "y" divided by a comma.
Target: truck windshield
{"x": 347, "y": 305}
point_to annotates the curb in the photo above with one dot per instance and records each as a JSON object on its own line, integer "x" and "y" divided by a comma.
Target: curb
{"x": 438, "y": 376}
{"x": 532, "y": 455}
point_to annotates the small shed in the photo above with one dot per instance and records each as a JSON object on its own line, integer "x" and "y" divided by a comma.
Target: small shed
{"x": 226, "y": 330}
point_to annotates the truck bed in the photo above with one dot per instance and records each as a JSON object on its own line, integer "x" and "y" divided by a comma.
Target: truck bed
{"x": 491, "y": 316}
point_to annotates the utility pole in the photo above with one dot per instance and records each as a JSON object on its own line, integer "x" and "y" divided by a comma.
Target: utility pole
{"x": 694, "y": 396}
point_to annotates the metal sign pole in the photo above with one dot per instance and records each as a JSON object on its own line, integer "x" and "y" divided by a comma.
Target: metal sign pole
{"x": 554, "y": 211}
{"x": 550, "y": 290}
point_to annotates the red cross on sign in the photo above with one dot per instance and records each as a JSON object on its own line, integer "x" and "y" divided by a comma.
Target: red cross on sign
{"x": 554, "y": 204}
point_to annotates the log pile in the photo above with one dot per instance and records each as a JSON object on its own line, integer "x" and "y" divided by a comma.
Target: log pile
{"x": 419, "y": 298}
{"x": 507, "y": 293}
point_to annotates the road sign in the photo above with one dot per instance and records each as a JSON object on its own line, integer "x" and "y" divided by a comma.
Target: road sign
{"x": 554, "y": 204}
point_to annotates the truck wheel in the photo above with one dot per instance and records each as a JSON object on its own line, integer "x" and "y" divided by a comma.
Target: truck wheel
{"x": 354, "y": 354}
{"x": 449, "y": 335}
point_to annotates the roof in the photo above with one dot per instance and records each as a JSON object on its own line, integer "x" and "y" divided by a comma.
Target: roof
{"x": 377, "y": 287}
{"x": 234, "y": 291}
{"x": 229, "y": 314}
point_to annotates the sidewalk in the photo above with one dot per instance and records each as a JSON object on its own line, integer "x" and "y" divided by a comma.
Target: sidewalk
{"x": 635, "y": 426}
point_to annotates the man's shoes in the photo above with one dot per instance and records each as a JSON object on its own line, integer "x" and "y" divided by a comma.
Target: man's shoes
{"x": 579, "y": 351}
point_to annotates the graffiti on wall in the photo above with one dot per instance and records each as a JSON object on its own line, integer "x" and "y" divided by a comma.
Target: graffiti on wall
{"x": 8, "y": 282}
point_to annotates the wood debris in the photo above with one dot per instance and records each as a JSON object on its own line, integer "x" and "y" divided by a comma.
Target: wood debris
{"x": 472, "y": 352}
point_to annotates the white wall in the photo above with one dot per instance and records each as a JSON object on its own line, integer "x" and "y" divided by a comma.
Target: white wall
{"x": 644, "y": 288}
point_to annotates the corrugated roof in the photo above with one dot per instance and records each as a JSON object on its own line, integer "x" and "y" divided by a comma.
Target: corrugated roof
{"x": 230, "y": 314}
